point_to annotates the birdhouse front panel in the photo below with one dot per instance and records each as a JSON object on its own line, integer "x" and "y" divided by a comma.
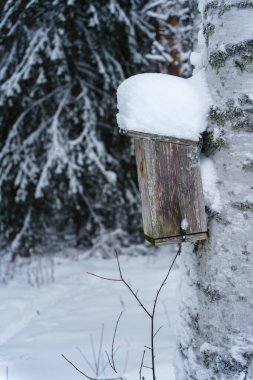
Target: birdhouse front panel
{"x": 171, "y": 189}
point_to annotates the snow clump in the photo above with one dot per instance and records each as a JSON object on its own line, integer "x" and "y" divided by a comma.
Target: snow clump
{"x": 184, "y": 224}
{"x": 164, "y": 104}
{"x": 209, "y": 182}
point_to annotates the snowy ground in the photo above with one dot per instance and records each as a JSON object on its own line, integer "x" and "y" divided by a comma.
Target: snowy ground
{"x": 38, "y": 324}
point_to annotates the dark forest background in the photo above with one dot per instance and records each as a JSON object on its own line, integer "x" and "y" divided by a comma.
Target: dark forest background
{"x": 66, "y": 175}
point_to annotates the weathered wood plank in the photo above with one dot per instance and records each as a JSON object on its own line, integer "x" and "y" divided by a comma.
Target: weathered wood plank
{"x": 151, "y": 136}
{"x": 171, "y": 191}
{"x": 177, "y": 239}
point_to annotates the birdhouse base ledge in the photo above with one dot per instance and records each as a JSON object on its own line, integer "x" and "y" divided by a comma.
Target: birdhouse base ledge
{"x": 177, "y": 239}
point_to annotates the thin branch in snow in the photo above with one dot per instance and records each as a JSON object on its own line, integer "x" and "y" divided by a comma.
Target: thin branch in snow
{"x": 84, "y": 374}
{"x": 113, "y": 342}
{"x": 166, "y": 277}
{"x": 122, "y": 279}
{"x": 104, "y": 278}
{"x": 109, "y": 359}
{"x": 157, "y": 331}
{"x": 94, "y": 353}
{"x": 129, "y": 287}
{"x": 86, "y": 359}
{"x": 141, "y": 366}
{"x": 100, "y": 346}
{"x": 126, "y": 362}
{"x": 151, "y": 314}
{"x": 77, "y": 369}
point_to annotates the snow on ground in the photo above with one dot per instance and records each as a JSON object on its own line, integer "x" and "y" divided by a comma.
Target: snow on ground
{"x": 38, "y": 324}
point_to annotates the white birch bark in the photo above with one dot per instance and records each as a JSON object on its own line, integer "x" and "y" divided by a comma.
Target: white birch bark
{"x": 217, "y": 335}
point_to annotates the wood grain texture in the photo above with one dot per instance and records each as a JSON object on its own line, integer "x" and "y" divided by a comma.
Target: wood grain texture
{"x": 152, "y": 136}
{"x": 171, "y": 191}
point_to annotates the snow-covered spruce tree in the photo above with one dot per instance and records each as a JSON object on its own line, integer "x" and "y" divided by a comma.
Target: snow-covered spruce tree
{"x": 63, "y": 168}
{"x": 173, "y": 22}
{"x": 217, "y": 340}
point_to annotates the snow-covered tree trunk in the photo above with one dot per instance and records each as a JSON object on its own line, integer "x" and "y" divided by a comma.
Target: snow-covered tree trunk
{"x": 174, "y": 34}
{"x": 62, "y": 164}
{"x": 217, "y": 339}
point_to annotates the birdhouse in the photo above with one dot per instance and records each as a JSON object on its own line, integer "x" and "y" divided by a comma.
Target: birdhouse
{"x": 166, "y": 115}
{"x": 173, "y": 209}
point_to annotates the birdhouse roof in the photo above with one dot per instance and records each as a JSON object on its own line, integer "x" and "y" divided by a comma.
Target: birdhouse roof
{"x": 164, "y": 105}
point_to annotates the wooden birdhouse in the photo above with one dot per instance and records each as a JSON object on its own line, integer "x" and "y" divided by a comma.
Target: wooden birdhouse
{"x": 152, "y": 108}
{"x": 173, "y": 209}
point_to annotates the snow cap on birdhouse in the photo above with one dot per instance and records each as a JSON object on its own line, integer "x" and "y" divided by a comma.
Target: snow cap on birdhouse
{"x": 166, "y": 115}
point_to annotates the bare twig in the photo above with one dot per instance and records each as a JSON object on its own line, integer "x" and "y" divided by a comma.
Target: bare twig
{"x": 109, "y": 359}
{"x": 166, "y": 313}
{"x": 103, "y": 365}
{"x": 104, "y": 278}
{"x": 113, "y": 341}
{"x": 94, "y": 354}
{"x": 157, "y": 331}
{"x": 100, "y": 346}
{"x": 97, "y": 358}
{"x": 129, "y": 287}
{"x": 124, "y": 282}
{"x": 126, "y": 362}
{"x": 122, "y": 303}
{"x": 86, "y": 359}
{"x": 85, "y": 375}
{"x": 141, "y": 366}
{"x": 151, "y": 314}
{"x": 166, "y": 278}
{"x": 77, "y": 369}
{"x": 154, "y": 310}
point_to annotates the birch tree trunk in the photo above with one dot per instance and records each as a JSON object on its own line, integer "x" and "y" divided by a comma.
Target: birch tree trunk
{"x": 217, "y": 339}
